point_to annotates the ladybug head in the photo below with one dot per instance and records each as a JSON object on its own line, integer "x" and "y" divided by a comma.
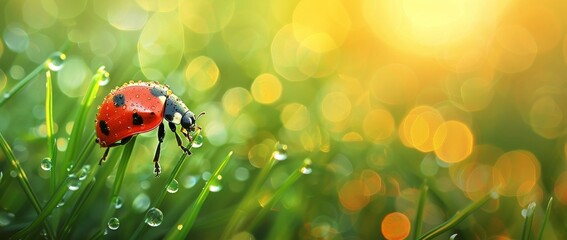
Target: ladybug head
{"x": 188, "y": 120}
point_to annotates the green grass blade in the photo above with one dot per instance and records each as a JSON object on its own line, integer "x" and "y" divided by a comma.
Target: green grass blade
{"x": 27, "y": 79}
{"x": 188, "y": 217}
{"x": 420, "y": 207}
{"x": 117, "y": 186}
{"x": 527, "y": 230}
{"x": 172, "y": 176}
{"x": 457, "y": 218}
{"x": 66, "y": 227}
{"x": 51, "y": 147}
{"x": 81, "y": 117}
{"x": 271, "y": 202}
{"x": 23, "y": 180}
{"x": 248, "y": 202}
{"x": 545, "y": 218}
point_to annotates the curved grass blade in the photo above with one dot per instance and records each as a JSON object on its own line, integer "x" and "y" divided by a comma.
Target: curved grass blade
{"x": 27, "y": 79}
{"x": 457, "y": 218}
{"x": 271, "y": 202}
{"x": 120, "y": 172}
{"x": 141, "y": 228}
{"x": 188, "y": 217}
{"x": 420, "y": 207}
{"x": 23, "y": 180}
{"x": 49, "y": 128}
{"x": 248, "y": 203}
{"x": 81, "y": 116}
{"x": 545, "y": 218}
{"x": 527, "y": 230}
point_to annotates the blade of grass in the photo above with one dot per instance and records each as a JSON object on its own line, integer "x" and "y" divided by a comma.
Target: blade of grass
{"x": 23, "y": 180}
{"x": 457, "y": 218}
{"x": 248, "y": 203}
{"x": 49, "y": 128}
{"x": 81, "y": 117}
{"x": 122, "y": 165}
{"x": 420, "y": 207}
{"x": 271, "y": 202}
{"x": 66, "y": 227}
{"x": 527, "y": 230}
{"x": 34, "y": 73}
{"x": 545, "y": 218}
{"x": 142, "y": 227}
{"x": 188, "y": 217}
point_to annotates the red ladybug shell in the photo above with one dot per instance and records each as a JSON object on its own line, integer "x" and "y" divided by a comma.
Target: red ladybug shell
{"x": 129, "y": 110}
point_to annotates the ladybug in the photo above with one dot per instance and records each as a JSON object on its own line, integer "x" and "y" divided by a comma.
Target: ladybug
{"x": 139, "y": 107}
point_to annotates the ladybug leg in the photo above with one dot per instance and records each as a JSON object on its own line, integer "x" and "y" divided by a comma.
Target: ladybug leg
{"x": 104, "y": 156}
{"x": 161, "y": 135}
{"x": 122, "y": 142}
{"x": 179, "y": 142}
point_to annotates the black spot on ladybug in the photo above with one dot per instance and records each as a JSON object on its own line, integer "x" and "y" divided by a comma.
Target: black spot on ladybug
{"x": 137, "y": 119}
{"x": 157, "y": 92}
{"x": 119, "y": 100}
{"x": 104, "y": 128}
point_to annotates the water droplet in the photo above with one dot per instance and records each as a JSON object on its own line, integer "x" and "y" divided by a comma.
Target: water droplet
{"x": 190, "y": 181}
{"x": 306, "y": 169}
{"x": 104, "y": 78}
{"x": 117, "y": 202}
{"x": 141, "y": 202}
{"x": 173, "y": 186}
{"x": 73, "y": 182}
{"x": 154, "y": 217}
{"x": 6, "y": 218}
{"x": 56, "y": 61}
{"x": 1, "y": 176}
{"x": 113, "y": 223}
{"x": 281, "y": 152}
{"x": 13, "y": 173}
{"x": 453, "y": 237}
{"x": 216, "y": 185}
{"x": 70, "y": 167}
{"x": 6, "y": 95}
{"x": 46, "y": 164}
{"x": 524, "y": 212}
{"x": 179, "y": 227}
{"x": 84, "y": 172}
{"x": 198, "y": 141}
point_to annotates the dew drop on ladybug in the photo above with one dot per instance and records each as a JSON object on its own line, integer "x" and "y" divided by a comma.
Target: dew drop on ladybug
{"x": 139, "y": 107}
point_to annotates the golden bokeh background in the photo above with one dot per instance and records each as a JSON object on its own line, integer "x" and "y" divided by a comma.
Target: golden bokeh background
{"x": 381, "y": 95}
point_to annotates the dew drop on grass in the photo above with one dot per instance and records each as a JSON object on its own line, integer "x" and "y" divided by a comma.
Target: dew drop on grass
{"x": 453, "y": 237}
{"x": 216, "y": 185}
{"x": 46, "y": 164}
{"x": 84, "y": 172}
{"x": 198, "y": 142}
{"x": 6, "y": 95}
{"x": 173, "y": 186}
{"x": 281, "y": 152}
{"x": 306, "y": 169}
{"x": 113, "y": 223}
{"x": 73, "y": 183}
{"x": 1, "y": 176}
{"x": 6, "y": 218}
{"x": 105, "y": 79}
{"x": 56, "y": 61}
{"x": 141, "y": 202}
{"x": 117, "y": 202}
{"x": 154, "y": 217}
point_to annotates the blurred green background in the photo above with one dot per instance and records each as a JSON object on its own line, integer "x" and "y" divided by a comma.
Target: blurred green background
{"x": 368, "y": 98}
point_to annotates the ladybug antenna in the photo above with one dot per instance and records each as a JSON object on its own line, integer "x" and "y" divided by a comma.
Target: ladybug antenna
{"x": 200, "y": 114}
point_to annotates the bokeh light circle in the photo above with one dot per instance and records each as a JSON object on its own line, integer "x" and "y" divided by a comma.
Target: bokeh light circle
{"x": 336, "y": 107}
{"x": 453, "y": 141}
{"x": 202, "y": 73}
{"x": 266, "y": 88}
{"x": 396, "y": 226}
{"x": 295, "y": 116}
{"x": 516, "y": 172}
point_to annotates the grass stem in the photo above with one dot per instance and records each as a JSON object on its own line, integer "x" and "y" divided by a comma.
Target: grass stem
{"x": 187, "y": 219}
{"x": 420, "y": 207}
{"x": 545, "y": 218}
{"x": 457, "y": 218}
{"x": 24, "y": 183}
